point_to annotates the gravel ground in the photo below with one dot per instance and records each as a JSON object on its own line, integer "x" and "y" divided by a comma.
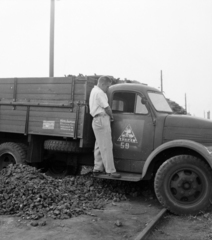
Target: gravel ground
{"x": 30, "y": 194}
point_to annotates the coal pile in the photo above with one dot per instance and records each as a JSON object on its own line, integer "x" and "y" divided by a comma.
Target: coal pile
{"x": 30, "y": 194}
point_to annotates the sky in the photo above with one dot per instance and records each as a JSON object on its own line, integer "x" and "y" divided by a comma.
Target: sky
{"x": 132, "y": 39}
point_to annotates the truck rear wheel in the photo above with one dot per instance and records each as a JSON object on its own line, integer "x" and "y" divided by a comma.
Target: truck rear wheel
{"x": 183, "y": 184}
{"x": 24, "y": 147}
{"x": 11, "y": 153}
{"x": 61, "y": 146}
{"x": 58, "y": 168}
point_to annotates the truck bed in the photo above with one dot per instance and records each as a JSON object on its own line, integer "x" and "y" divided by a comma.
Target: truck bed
{"x": 46, "y": 106}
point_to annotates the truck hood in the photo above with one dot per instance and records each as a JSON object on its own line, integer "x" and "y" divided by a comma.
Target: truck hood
{"x": 189, "y": 128}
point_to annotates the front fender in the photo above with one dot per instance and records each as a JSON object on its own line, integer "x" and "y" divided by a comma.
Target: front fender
{"x": 205, "y": 152}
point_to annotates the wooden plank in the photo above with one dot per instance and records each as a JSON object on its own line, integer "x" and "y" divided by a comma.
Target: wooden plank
{"x": 6, "y": 80}
{"x": 44, "y": 88}
{"x": 57, "y": 121}
{"x": 49, "y": 88}
{"x": 18, "y": 122}
{"x": 36, "y": 116}
{"x": 48, "y": 114}
{"x": 47, "y": 109}
{"x": 6, "y": 95}
{"x": 21, "y": 130}
{"x": 38, "y": 109}
{"x": 53, "y": 134}
{"x": 10, "y": 126}
{"x": 55, "y": 109}
{"x": 37, "y": 128}
{"x": 55, "y": 80}
{"x": 8, "y": 110}
{"x": 6, "y": 88}
{"x": 36, "y": 124}
{"x": 13, "y": 117}
{"x": 11, "y": 129}
{"x": 39, "y": 112}
{"x": 48, "y": 97}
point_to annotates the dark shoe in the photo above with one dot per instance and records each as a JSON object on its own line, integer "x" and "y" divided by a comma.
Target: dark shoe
{"x": 115, "y": 175}
{"x": 97, "y": 172}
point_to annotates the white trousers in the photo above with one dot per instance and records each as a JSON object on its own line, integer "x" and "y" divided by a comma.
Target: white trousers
{"x": 103, "y": 151}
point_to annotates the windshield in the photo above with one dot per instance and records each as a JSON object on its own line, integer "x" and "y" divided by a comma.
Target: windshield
{"x": 159, "y": 102}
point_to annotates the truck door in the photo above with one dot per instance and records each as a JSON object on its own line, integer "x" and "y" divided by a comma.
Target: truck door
{"x": 132, "y": 131}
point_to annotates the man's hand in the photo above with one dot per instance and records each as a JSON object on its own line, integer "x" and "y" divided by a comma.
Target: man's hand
{"x": 109, "y": 112}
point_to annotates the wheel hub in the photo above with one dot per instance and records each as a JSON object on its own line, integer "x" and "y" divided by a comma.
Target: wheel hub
{"x": 186, "y": 186}
{"x": 58, "y": 167}
{"x": 5, "y": 160}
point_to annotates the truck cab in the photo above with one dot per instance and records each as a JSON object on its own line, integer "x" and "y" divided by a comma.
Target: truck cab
{"x": 136, "y": 120}
{"x": 139, "y": 113}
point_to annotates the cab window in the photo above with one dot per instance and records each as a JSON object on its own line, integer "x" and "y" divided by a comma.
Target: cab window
{"x": 126, "y": 102}
{"x": 140, "y": 107}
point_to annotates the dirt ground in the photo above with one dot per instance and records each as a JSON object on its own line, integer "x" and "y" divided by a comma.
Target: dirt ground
{"x": 184, "y": 227}
{"x": 122, "y": 220}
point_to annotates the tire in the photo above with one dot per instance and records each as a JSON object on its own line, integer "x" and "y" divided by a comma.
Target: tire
{"x": 57, "y": 169}
{"x": 11, "y": 153}
{"x": 183, "y": 185}
{"x": 24, "y": 147}
{"x": 61, "y": 146}
{"x": 73, "y": 165}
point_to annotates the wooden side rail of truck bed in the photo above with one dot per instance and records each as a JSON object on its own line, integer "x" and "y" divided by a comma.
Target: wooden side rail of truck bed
{"x": 47, "y": 106}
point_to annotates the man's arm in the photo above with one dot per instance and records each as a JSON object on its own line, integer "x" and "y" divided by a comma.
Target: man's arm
{"x": 109, "y": 112}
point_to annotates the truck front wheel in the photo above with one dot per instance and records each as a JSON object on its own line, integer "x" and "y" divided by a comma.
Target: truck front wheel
{"x": 183, "y": 185}
{"x": 11, "y": 153}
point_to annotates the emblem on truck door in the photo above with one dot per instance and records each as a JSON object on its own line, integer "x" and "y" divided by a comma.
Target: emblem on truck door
{"x": 128, "y": 136}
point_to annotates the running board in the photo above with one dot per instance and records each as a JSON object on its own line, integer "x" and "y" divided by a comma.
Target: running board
{"x": 130, "y": 177}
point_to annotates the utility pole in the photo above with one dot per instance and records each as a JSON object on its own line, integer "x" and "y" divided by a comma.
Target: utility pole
{"x": 208, "y": 115}
{"x": 51, "y": 49}
{"x": 185, "y": 103}
{"x": 161, "y": 80}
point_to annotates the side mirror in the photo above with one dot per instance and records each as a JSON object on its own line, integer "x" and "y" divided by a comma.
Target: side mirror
{"x": 143, "y": 100}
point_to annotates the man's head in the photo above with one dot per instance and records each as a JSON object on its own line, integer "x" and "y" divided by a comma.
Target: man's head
{"x": 104, "y": 83}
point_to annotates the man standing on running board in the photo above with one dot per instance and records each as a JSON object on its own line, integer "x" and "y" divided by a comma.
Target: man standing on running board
{"x": 102, "y": 117}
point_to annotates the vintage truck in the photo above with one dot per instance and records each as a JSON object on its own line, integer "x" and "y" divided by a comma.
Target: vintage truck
{"x": 46, "y": 122}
